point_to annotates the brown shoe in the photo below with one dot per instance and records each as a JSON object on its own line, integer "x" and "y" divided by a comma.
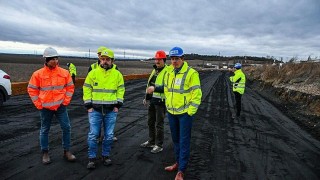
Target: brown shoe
{"x": 46, "y": 158}
{"x": 173, "y": 167}
{"x": 179, "y": 176}
{"x": 69, "y": 156}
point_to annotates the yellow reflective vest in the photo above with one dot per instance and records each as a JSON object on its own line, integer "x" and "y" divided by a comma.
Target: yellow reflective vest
{"x": 182, "y": 90}
{"x": 72, "y": 69}
{"x": 238, "y": 81}
{"x": 103, "y": 87}
{"x": 159, "y": 82}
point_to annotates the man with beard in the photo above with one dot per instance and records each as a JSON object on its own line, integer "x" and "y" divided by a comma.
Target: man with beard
{"x": 155, "y": 102}
{"x": 103, "y": 92}
{"x": 94, "y": 66}
{"x": 51, "y": 89}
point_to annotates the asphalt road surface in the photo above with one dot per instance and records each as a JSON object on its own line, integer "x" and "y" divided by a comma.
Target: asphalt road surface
{"x": 263, "y": 144}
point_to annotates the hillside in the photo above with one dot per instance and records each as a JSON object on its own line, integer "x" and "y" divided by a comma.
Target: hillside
{"x": 297, "y": 88}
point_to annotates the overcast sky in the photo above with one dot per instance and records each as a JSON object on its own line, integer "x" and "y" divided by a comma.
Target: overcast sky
{"x": 279, "y": 28}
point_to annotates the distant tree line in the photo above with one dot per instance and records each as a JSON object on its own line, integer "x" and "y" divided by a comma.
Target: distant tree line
{"x": 229, "y": 58}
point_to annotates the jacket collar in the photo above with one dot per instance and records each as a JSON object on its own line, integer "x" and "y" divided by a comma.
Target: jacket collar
{"x": 48, "y": 69}
{"x": 183, "y": 68}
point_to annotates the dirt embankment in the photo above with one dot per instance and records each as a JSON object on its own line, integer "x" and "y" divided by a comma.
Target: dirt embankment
{"x": 297, "y": 88}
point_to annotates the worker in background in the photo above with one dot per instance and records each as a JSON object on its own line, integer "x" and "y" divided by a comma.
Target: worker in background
{"x": 94, "y": 66}
{"x": 72, "y": 71}
{"x": 183, "y": 96}
{"x": 103, "y": 92}
{"x": 238, "y": 86}
{"x": 51, "y": 89}
{"x": 155, "y": 102}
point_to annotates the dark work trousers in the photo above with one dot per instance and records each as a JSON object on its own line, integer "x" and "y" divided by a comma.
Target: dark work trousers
{"x": 156, "y": 114}
{"x": 238, "y": 102}
{"x": 74, "y": 79}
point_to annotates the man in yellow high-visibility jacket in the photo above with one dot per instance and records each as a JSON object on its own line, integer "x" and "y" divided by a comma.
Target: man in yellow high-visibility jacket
{"x": 238, "y": 86}
{"x": 155, "y": 101}
{"x": 95, "y": 66}
{"x": 72, "y": 71}
{"x": 183, "y": 94}
{"x": 103, "y": 92}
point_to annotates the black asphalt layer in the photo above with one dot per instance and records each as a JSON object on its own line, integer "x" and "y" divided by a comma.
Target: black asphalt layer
{"x": 262, "y": 144}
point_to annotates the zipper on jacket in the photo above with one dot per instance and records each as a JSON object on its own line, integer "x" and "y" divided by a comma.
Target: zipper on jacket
{"x": 172, "y": 88}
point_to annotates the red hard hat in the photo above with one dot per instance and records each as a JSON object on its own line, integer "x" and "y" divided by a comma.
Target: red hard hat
{"x": 160, "y": 55}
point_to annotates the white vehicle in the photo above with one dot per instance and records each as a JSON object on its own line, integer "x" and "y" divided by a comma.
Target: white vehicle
{"x": 5, "y": 87}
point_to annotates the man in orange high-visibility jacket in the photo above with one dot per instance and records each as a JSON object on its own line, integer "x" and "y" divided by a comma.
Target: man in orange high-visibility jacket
{"x": 51, "y": 89}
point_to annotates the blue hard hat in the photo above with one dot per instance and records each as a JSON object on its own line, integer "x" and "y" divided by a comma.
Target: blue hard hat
{"x": 176, "y": 51}
{"x": 237, "y": 66}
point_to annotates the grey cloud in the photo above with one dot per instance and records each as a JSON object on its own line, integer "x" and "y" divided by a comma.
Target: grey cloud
{"x": 231, "y": 27}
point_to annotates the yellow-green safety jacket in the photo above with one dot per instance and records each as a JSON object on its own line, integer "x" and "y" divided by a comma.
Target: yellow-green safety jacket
{"x": 182, "y": 90}
{"x": 103, "y": 87}
{"x": 159, "y": 82}
{"x": 94, "y": 65}
{"x": 238, "y": 81}
{"x": 72, "y": 69}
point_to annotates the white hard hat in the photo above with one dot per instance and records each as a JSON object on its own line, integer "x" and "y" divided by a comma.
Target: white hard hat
{"x": 50, "y": 52}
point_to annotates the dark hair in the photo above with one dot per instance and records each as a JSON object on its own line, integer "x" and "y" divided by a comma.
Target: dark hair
{"x": 50, "y": 58}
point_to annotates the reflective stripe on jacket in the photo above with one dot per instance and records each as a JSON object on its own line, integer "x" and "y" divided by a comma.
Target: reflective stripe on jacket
{"x": 182, "y": 90}
{"x": 72, "y": 69}
{"x": 238, "y": 81}
{"x": 103, "y": 86}
{"x": 159, "y": 82}
{"x": 50, "y": 88}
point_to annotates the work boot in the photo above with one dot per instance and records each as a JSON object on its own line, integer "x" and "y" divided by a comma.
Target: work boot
{"x": 91, "y": 164}
{"x": 46, "y": 158}
{"x": 106, "y": 160}
{"x": 173, "y": 167}
{"x": 179, "y": 176}
{"x": 147, "y": 144}
{"x": 69, "y": 156}
{"x": 156, "y": 149}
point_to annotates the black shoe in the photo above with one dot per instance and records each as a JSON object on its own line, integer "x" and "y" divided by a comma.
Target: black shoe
{"x": 106, "y": 160}
{"x": 91, "y": 164}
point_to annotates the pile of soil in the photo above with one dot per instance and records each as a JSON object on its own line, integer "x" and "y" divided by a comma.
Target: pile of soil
{"x": 301, "y": 107}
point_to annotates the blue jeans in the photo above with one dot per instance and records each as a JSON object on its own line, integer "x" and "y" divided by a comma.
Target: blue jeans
{"x": 96, "y": 119}
{"x": 63, "y": 118}
{"x": 180, "y": 126}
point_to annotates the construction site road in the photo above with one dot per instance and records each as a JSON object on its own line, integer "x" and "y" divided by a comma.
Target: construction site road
{"x": 262, "y": 144}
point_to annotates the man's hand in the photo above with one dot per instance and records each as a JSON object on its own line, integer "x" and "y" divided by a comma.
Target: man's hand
{"x": 115, "y": 109}
{"x": 150, "y": 90}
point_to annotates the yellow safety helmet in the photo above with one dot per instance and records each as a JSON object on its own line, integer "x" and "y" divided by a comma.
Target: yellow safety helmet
{"x": 107, "y": 52}
{"x": 100, "y": 49}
